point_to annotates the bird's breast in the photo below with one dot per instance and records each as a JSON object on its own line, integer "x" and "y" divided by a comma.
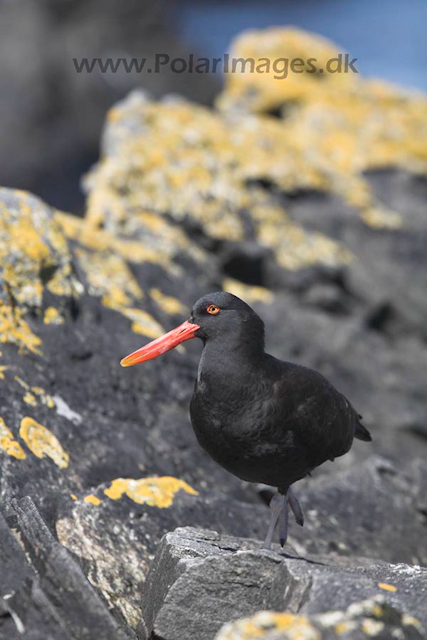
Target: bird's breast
{"x": 235, "y": 430}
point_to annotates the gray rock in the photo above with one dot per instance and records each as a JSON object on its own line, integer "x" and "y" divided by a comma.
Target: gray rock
{"x": 200, "y": 580}
{"x": 375, "y": 510}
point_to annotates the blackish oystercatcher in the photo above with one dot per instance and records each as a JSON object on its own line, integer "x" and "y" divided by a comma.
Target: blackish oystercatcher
{"x": 262, "y": 419}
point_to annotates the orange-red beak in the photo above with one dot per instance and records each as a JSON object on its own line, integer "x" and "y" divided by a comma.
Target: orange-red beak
{"x": 169, "y": 341}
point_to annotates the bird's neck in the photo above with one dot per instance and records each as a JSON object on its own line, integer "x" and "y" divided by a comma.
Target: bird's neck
{"x": 222, "y": 362}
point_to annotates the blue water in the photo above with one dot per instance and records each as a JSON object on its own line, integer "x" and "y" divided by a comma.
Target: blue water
{"x": 389, "y": 37}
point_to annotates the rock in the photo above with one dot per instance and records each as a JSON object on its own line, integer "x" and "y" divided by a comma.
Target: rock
{"x": 44, "y": 592}
{"x": 364, "y": 619}
{"x": 115, "y": 531}
{"x": 199, "y": 580}
{"x": 329, "y": 120}
{"x": 372, "y": 510}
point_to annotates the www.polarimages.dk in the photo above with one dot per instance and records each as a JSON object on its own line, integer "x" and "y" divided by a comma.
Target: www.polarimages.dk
{"x": 279, "y": 67}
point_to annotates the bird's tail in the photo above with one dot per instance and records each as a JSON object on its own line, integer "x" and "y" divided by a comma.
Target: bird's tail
{"x": 361, "y": 433}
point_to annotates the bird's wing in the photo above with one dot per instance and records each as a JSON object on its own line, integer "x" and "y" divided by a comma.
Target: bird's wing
{"x": 320, "y": 418}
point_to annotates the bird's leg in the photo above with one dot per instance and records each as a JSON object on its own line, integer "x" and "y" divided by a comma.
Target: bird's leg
{"x": 296, "y": 507}
{"x": 276, "y": 505}
{"x": 279, "y": 513}
{"x": 283, "y": 519}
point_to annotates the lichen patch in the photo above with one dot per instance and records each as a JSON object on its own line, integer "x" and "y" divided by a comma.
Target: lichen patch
{"x": 92, "y": 499}
{"x": 14, "y": 329}
{"x": 52, "y": 316}
{"x": 168, "y": 304}
{"x": 296, "y": 627}
{"x": 387, "y": 587}
{"x": 8, "y": 444}
{"x": 155, "y": 492}
{"x": 43, "y": 442}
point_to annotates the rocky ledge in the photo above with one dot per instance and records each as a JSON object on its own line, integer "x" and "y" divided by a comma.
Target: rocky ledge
{"x": 306, "y": 198}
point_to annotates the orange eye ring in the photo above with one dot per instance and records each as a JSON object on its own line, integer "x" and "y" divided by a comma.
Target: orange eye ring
{"x": 213, "y": 309}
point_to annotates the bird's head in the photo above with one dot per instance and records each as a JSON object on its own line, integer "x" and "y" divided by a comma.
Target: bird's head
{"x": 219, "y": 317}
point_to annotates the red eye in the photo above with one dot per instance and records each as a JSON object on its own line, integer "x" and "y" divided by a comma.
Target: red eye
{"x": 213, "y": 309}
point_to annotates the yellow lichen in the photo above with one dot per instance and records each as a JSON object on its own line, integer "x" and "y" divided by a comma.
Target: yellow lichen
{"x": 34, "y": 257}
{"x": 158, "y": 240}
{"x": 8, "y": 444}
{"x": 337, "y": 125}
{"x": 407, "y": 619}
{"x": 32, "y": 393}
{"x": 3, "y": 368}
{"x": 13, "y": 328}
{"x": 33, "y": 250}
{"x": 293, "y": 627}
{"x": 91, "y": 499}
{"x": 42, "y": 442}
{"x": 73, "y": 496}
{"x": 45, "y": 398}
{"x": 249, "y": 293}
{"x": 155, "y": 492}
{"x": 380, "y": 218}
{"x": 387, "y": 587}
{"x": 52, "y": 316}
{"x": 110, "y": 277}
{"x": 143, "y": 322}
{"x": 22, "y": 382}
{"x": 371, "y": 627}
{"x": 345, "y": 627}
{"x": 196, "y": 165}
{"x": 168, "y": 304}
{"x": 30, "y": 399}
{"x": 103, "y": 260}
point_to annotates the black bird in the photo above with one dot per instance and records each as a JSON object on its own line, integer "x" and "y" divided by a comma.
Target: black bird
{"x": 262, "y": 419}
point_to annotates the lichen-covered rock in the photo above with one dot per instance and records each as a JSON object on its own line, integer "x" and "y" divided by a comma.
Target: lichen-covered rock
{"x": 372, "y": 618}
{"x": 199, "y": 580}
{"x": 34, "y": 259}
{"x": 44, "y": 592}
{"x": 331, "y": 121}
{"x": 115, "y": 530}
{"x": 190, "y": 164}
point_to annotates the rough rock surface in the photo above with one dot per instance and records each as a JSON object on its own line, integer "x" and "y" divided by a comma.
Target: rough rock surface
{"x": 188, "y": 200}
{"x": 200, "y": 580}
